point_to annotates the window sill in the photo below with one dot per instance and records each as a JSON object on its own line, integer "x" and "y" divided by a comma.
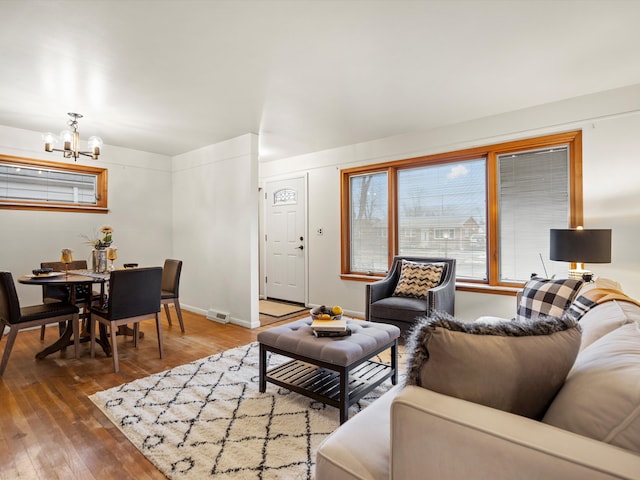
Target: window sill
{"x": 484, "y": 288}
{"x": 56, "y": 208}
{"x": 361, "y": 278}
{"x": 460, "y": 286}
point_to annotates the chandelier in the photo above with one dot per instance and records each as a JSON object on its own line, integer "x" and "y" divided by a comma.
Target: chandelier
{"x": 71, "y": 141}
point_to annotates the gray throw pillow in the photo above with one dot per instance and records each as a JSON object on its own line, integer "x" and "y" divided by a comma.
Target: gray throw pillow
{"x": 515, "y": 366}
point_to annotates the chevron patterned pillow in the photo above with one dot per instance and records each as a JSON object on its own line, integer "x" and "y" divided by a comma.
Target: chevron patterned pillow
{"x": 417, "y": 278}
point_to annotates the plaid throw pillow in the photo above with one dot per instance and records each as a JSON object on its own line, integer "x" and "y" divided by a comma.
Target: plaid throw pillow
{"x": 579, "y": 307}
{"x": 417, "y": 278}
{"x": 543, "y": 297}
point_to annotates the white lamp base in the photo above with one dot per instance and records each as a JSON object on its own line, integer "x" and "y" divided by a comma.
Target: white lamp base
{"x": 577, "y": 274}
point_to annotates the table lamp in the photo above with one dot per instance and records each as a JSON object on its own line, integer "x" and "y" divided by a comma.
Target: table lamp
{"x": 112, "y": 254}
{"x": 580, "y": 246}
{"x": 66, "y": 258}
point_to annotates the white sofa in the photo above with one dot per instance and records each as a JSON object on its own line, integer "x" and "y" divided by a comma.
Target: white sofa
{"x": 413, "y": 433}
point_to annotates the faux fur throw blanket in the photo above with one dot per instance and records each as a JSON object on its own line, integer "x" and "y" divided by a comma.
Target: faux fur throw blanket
{"x": 595, "y": 296}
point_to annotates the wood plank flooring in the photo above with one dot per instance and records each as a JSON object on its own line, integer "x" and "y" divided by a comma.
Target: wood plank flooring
{"x": 49, "y": 429}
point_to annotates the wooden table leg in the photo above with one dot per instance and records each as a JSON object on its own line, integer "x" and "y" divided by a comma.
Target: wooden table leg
{"x": 394, "y": 362}
{"x": 344, "y": 395}
{"x": 63, "y": 342}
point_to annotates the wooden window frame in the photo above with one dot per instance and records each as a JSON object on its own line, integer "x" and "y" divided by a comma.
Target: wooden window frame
{"x": 573, "y": 139}
{"x": 101, "y": 186}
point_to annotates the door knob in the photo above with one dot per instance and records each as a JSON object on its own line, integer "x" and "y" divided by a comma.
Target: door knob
{"x": 301, "y": 247}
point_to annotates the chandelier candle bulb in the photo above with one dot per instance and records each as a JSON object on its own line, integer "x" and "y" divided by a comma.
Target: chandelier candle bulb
{"x": 94, "y": 144}
{"x": 49, "y": 140}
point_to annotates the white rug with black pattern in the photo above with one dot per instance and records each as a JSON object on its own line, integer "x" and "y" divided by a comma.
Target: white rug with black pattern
{"x": 207, "y": 420}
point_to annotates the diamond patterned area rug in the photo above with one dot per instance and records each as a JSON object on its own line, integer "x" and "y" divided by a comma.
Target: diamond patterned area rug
{"x": 207, "y": 420}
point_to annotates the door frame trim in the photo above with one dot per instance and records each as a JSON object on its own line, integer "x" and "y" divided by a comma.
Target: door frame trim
{"x": 262, "y": 229}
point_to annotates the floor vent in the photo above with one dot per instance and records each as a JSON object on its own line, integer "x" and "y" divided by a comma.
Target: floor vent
{"x": 218, "y": 316}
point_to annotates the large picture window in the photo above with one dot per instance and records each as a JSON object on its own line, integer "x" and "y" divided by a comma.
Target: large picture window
{"x": 443, "y": 206}
{"x": 39, "y": 185}
{"x": 489, "y": 207}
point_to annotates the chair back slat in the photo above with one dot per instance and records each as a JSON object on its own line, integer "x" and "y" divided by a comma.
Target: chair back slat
{"x": 60, "y": 266}
{"x": 134, "y": 292}
{"x": 171, "y": 276}
{"x": 9, "y": 303}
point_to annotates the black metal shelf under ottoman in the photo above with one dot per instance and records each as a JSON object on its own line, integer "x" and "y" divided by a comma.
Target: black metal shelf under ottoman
{"x": 336, "y": 371}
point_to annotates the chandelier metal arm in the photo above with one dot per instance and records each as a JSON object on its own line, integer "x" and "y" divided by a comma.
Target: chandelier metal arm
{"x": 72, "y": 153}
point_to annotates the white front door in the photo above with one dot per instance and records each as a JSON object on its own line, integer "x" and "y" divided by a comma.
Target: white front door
{"x": 286, "y": 241}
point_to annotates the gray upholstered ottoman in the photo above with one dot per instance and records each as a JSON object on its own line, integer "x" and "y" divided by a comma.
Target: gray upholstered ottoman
{"x": 336, "y": 371}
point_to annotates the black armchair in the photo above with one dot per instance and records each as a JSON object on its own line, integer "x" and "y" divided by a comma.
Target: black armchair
{"x": 381, "y": 306}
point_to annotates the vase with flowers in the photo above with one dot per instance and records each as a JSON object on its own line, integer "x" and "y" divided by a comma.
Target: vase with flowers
{"x": 100, "y": 241}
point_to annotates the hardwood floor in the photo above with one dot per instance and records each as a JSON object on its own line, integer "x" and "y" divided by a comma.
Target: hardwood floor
{"x": 49, "y": 429}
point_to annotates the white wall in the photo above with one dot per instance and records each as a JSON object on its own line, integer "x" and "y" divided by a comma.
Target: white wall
{"x": 215, "y": 228}
{"x": 611, "y": 124}
{"x": 140, "y": 199}
{"x": 203, "y": 206}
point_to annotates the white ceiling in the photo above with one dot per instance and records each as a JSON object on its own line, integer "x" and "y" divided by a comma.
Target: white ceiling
{"x": 172, "y": 76}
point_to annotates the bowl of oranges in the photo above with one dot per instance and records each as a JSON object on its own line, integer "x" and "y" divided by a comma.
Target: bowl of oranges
{"x": 326, "y": 313}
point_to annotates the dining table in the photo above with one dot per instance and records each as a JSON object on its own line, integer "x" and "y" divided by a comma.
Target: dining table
{"x": 70, "y": 279}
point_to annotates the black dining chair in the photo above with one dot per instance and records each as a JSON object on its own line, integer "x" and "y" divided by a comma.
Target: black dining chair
{"x": 171, "y": 288}
{"x": 134, "y": 296}
{"x": 17, "y": 318}
{"x": 84, "y": 295}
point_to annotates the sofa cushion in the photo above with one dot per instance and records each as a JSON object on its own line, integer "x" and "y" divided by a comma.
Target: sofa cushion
{"x": 417, "y": 278}
{"x": 359, "y": 449}
{"x": 399, "y": 308}
{"x": 515, "y": 366}
{"x": 605, "y": 318}
{"x": 601, "y": 396}
{"x": 542, "y": 296}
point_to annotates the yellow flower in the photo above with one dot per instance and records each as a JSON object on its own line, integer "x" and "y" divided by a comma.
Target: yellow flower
{"x": 101, "y": 238}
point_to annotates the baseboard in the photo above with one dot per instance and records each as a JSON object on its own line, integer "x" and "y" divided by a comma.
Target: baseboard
{"x": 235, "y": 321}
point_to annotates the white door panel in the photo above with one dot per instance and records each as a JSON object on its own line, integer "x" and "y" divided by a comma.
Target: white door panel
{"x": 285, "y": 227}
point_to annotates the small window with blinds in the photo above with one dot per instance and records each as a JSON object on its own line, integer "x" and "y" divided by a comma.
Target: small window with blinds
{"x": 39, "y": 185}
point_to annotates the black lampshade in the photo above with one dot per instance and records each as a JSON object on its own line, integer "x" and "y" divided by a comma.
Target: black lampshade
{"x": 581, "y": 246}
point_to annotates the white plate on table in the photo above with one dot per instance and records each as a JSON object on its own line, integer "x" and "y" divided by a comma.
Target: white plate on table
{"x": 46, "y": 275}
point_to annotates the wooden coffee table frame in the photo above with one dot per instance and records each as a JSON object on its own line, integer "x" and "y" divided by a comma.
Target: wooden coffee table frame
{"x": 335, "y": 385}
